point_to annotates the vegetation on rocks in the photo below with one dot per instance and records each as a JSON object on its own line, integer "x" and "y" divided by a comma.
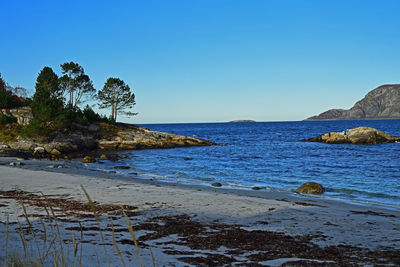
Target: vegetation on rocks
{"x": 51, "y": 115}
{"x": 52, "y": 123}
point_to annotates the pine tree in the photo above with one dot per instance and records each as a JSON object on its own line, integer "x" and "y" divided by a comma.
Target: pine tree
{"x": 47, "y": 102}
{"x": 75, "y": 83}
{"x": 117, "y": 95}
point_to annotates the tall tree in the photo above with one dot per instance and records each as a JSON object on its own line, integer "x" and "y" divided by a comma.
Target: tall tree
{"x": 75, "y": 83}
{"x": 117, "y": 95}
{"x": 47, "y": 102}
{"x": 5, "y": 94}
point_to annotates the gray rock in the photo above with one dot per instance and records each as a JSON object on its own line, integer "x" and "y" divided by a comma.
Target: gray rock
{"x": 94, "y": 128}
{"x": 23, "y": 145}
{"x": 38, "y": 150}
{"x": 216, "y": 184}
{"x": 16, "y": 164}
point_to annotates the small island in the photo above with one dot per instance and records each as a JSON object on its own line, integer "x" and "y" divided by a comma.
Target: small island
{"x": 238, "y": 121}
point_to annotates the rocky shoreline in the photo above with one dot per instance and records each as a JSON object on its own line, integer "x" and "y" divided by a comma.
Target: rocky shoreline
{"x": 97, "y": 138}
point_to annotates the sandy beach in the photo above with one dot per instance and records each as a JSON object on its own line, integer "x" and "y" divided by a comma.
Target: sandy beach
{"x": 192, "y": 225}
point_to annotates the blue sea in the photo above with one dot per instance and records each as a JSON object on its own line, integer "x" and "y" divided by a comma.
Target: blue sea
{"x": 270, "y": 154}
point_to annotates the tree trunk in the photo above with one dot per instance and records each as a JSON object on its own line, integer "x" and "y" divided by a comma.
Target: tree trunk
{"x": 113, "y": 112}
{"x": 71, "y": 92}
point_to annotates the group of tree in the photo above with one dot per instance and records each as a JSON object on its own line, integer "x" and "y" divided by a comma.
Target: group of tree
{"x": 57, "y": 101}
{"x": 11, "y": 97}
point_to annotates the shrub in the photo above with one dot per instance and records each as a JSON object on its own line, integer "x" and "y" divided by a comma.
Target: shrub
{"x": 4, "y": 119}
{"x": 35, "y": 128}
{"x": 7, "y": 98}
{"x": 91, "y": 116}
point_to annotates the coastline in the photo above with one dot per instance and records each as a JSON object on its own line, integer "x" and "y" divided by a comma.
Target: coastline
{"x": 325, "y": 222}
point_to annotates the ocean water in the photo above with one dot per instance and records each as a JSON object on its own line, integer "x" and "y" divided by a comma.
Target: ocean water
{"x": 269, "y": 154}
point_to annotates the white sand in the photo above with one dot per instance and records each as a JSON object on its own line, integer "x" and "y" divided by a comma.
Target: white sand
{"x": 339, "y": 222}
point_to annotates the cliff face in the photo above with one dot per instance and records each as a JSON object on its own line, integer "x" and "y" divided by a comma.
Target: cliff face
{"x": 381, "y": 103}
{"x": 24, "y": 114}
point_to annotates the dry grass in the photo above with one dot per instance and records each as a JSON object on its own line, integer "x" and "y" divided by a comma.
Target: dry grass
{"x": 55, "y": 249}
{"x": 9, "y": 132}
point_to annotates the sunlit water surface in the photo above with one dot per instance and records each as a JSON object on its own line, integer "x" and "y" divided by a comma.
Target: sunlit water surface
{"x": 269, "y": 154}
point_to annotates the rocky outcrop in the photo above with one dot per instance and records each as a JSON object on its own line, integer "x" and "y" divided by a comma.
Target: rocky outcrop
{"x": 380, "y": 103}
{"x": 310, "y": 188}
{"x": 120, "y": 137}
{"x": 360, "y": 135}
{"x": 62, "y": 144}
{"x": 142, "y": 138}
{"x": 23, "y": 115}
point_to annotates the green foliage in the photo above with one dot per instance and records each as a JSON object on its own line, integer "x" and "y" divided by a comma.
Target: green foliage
{"x": 75, "y": 83}
{"x": 47, "y": 106}
{"x": 47, "y": 103}
{"x": 91, "y": 116}
{"x": 4, "y": 119}
{"x": 117, "y": 95}
{"x": 7, "y": 98}
{"x": 35, "y": 128}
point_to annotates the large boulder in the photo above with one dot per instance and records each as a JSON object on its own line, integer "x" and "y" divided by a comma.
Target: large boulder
{"x": 310, "y": 188}
{"x": 360, "y": 135}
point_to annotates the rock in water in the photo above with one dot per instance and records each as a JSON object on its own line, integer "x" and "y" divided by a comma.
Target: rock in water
{"x": 216, "y": 184}
{"x": 360, "y": 135}
{"x": 103, "y": 157}
{"x": 122, "y": 167}
{"x": 310, "y": 188}
{"x": 88, "y": 159}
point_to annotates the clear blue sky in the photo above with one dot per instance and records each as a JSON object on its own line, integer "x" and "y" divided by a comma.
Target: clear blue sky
{"x": 211, "y": 60}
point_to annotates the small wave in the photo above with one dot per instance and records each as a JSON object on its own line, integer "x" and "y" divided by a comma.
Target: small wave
{"x": 206, "y": 179}
{"x": 356, "y": 193}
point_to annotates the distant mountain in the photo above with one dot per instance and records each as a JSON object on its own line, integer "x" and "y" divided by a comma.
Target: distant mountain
{"x": 381, "y": 103}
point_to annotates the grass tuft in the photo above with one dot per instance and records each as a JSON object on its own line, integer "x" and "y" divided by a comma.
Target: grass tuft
{"x": 51, "y": 248}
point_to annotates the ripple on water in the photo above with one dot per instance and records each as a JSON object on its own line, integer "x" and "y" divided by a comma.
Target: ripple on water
{"x": 270, "y": 154}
